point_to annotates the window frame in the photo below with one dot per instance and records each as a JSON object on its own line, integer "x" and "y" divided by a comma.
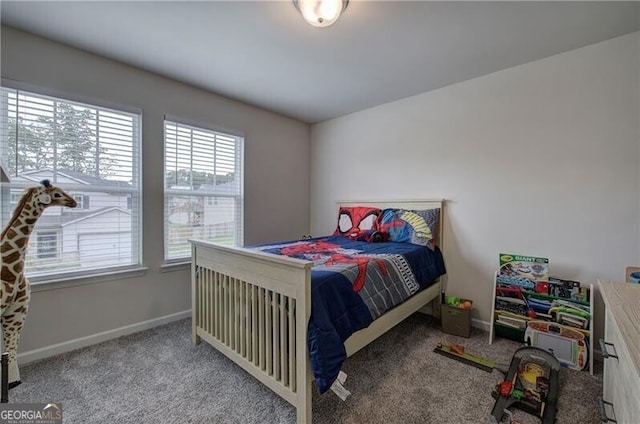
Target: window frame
{"x": 73, "y": 278}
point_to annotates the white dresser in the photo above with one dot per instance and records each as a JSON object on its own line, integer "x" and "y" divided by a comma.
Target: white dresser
{"x": 621, "y": 351}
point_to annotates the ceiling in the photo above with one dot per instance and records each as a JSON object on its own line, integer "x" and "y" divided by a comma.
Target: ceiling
{"x": 263, "y": 53}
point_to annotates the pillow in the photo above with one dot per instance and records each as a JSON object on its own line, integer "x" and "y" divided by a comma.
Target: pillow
{"x": 412, "y": 226}
{"x": 353, "y": 221}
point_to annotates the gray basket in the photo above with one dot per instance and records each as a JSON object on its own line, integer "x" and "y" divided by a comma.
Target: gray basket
{"x": 456, "y": 321}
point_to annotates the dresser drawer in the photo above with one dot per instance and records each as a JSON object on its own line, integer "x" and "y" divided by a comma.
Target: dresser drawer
{"x": 621, "y": 380}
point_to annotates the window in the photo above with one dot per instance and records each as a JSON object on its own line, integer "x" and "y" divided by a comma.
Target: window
{"x": 90, "y": 152}
{"x": 47, "y": 244}
{"x": 203, "y": 188}
{"x": 79, "y": 199}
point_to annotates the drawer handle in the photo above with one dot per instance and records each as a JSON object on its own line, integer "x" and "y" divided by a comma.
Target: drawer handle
{"x": 605, "y": 353}
{"x": 603, "y": 413}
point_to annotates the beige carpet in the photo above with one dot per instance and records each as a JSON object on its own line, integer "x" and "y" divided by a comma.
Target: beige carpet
{"x": 157, "y": 376}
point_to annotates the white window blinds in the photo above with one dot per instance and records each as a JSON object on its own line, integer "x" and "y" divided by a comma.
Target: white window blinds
{"x": 90, "y": 152}
{"x": 203, "y": 188}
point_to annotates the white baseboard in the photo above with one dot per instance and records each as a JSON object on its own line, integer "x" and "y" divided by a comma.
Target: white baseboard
{"x": 483, "y": 325}
{"x": 45, "y": 352}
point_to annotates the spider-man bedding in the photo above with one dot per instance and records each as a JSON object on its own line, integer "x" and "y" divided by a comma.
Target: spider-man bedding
{"x": 353, "y": 283}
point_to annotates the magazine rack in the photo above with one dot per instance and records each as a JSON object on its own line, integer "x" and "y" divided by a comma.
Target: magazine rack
{"x": 556, "y": 315}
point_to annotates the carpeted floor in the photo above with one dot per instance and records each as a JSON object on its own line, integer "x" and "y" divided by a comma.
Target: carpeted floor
{"x": 158, "y": 376}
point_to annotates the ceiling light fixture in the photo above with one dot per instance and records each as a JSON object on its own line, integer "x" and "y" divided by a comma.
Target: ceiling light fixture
{"x": 321, "y": 13}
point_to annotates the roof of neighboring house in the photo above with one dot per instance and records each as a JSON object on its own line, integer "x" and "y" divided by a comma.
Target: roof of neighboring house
{"x": 230, "y": 187}
{"x": 71, "y": 216}
{"x": 37, "y": 175}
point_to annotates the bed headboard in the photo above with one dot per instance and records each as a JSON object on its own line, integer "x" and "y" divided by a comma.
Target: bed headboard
{"x": 403, "y": 204}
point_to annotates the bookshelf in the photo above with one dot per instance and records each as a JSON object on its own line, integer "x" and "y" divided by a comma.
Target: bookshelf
{"x": 556, "y": 315}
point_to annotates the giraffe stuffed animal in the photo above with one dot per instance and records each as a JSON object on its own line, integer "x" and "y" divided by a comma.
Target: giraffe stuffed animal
{"x": 13, "y": 245}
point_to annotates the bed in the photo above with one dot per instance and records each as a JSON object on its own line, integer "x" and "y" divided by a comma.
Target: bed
{"x": 248, "y": 302}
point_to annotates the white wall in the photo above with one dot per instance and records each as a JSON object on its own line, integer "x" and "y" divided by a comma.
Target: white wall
{"x": 276, "y": 156}
{"x": 540, "y": 159}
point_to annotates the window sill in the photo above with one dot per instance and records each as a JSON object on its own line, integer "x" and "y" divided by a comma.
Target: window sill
{"x": 66, "y": 282}
{"x": 175, "y": 266}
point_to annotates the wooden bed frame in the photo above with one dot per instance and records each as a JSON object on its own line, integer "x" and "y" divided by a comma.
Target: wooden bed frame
{"x": 247, "y": 304}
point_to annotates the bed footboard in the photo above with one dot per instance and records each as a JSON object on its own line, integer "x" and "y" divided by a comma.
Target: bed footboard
{"x": 254, "y": 308}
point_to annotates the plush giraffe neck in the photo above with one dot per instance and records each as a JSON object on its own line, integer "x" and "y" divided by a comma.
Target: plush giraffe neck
{"x": 15, "y": 236}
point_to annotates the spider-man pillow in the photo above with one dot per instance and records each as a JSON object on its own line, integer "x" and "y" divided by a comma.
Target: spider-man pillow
{"x": 355, "y": 221}
{"x": 417, "y": 227}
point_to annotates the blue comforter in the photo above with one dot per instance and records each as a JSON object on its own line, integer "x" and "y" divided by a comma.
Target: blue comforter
{"x": 353, "y": 283}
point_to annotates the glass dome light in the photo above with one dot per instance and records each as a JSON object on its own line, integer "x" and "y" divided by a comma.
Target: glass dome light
{"x": 321, "y": 13}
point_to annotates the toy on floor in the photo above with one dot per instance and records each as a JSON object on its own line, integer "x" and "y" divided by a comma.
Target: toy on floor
{"x": 458, "y": 352}
{"x": 569, "y": 344}
{"x": 531, "y": 384}
{"x": 14, "y": 286}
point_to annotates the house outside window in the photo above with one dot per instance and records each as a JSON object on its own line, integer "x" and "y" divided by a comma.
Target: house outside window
{"x": 92, "y": 153}
{"x": 203, "y": 188}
